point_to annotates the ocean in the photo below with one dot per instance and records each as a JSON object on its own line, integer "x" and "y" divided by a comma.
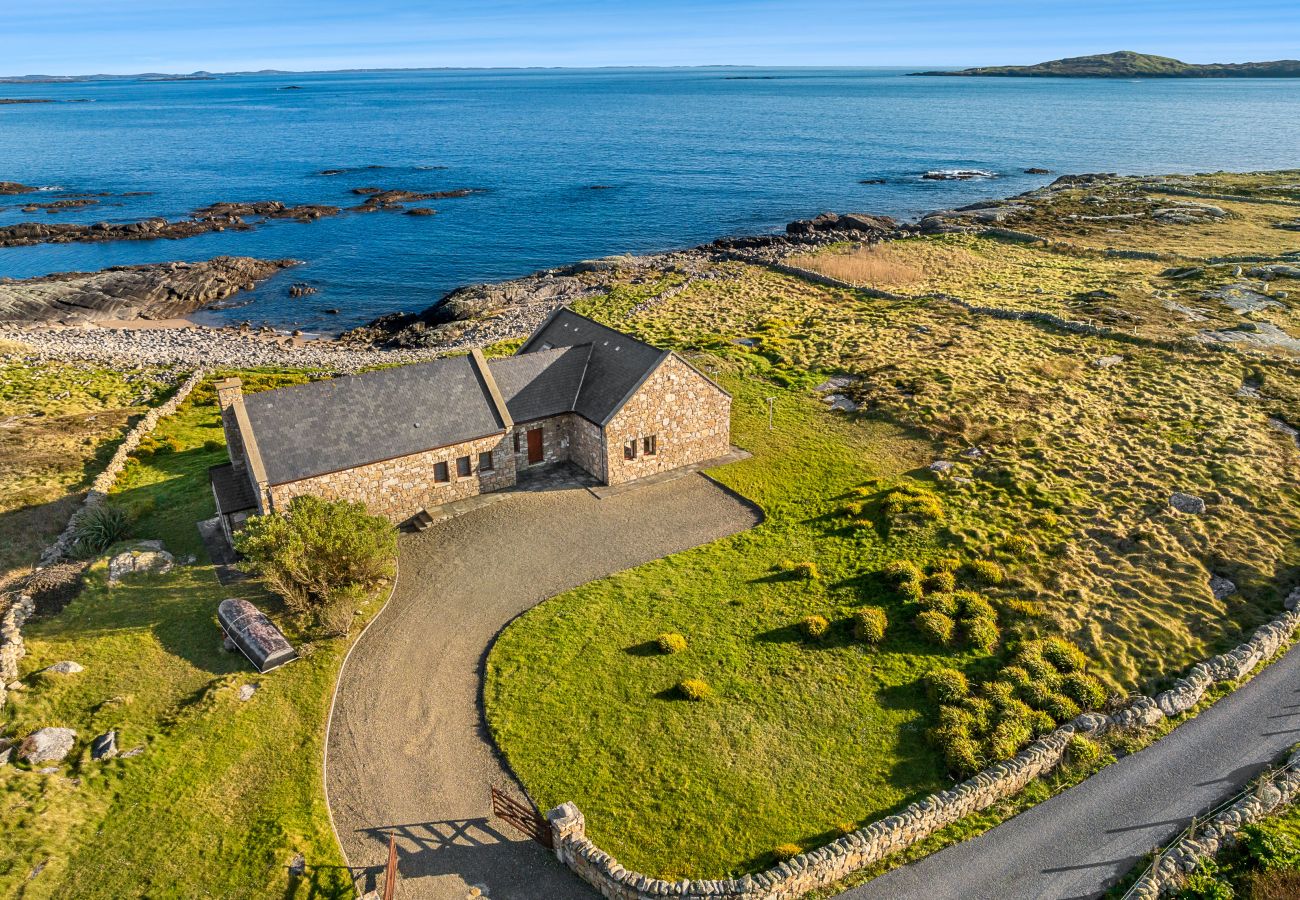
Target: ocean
{"x": 577, "y": 164}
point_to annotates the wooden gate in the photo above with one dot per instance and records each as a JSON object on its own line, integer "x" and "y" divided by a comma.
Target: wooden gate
{"x": 523, "y": 817}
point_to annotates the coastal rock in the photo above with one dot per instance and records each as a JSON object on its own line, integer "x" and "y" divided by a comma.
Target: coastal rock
{"x": 14, "y": 187}
{"x": 47, "y": 745}
{"x": 832, "y": 222}
{"x": 1034, "y": 170}
{"x": 151, "y": 291}
{"x": 421, "y": 211}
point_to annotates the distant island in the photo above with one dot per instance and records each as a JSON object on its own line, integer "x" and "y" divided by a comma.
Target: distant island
{"x": 1128, "y": 64}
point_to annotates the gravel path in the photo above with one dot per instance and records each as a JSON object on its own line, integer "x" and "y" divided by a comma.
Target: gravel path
{"x": 1081, "y": 842}
{"x": 408, "y": 746}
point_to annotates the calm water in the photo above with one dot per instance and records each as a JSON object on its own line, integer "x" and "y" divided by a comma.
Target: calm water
{"x": 687, "y": 155}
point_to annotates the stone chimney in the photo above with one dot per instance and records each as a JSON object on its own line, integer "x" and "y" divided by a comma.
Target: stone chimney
{"x": 229, "y": 392}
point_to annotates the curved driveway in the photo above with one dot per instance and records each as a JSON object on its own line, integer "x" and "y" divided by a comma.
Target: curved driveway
{"x": 1079, "y": 843}
{"x": 408, "y": 749}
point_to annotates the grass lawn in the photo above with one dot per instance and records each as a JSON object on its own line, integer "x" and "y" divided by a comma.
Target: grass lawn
{"x": 225, "y": 791}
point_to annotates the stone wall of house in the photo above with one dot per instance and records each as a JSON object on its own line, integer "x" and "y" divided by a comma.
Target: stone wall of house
{"x": 399, "y": 488}
{"x": 688, "y": 415}
{"x": 586, "y": 444}
{"x": 827, "y": 865}
{"x": 555, "y": 441}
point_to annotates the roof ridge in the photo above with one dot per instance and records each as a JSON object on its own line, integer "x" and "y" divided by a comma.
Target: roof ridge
{"x": 586, "y": 364}
{"x": 480, "y": 364}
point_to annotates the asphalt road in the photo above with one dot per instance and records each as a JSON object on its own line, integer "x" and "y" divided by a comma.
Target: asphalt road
{"x": 1081, "y": 842}
{"x": 408, "y": 751}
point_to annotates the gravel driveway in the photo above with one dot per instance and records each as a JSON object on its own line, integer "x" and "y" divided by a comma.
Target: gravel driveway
{"x": 1081, "y": 842}
{"x": 408, "y": 748}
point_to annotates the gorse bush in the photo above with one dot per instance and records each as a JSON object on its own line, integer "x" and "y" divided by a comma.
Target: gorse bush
{"x": 1082, "y": 751}
{"x": 1084, "y": 690}
{"x": 1061, "y": 708}
{"x": 935, "y": 626}
{"x": 986, "y": 571}
{"x": 671, "y": 642}
{"x": 805, "y": 571}
{"x": 694, "y": 689}
{"x": 982, "y": 634}
{"x": 1063, "y": 655}
{"x": 814, "y": 626}
{"x": 943, "y": 582}
{"x": 1018, "y": 546}
{"x": 902, "y": 570}
{"x": 972, "y": 606}
{"x": 317, "y": 548}
{"x": 912, "y": 506}
{"x": 869, "y": 624}
{"x": 98, "y": 528}
{"x": 1008, "y": 737}
{"x": 946, "y": 685}
{"x": 910, "y": 591}
{"x": 943, "y": 603}
{"x": 786, "y": 852}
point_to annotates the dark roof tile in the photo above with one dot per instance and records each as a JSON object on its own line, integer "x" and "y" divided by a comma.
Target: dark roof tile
{"x": 543, "y": 383}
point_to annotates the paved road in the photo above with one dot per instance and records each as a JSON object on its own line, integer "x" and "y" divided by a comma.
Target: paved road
{"x": 408, "y": 749}
{"x": 1081, "y": 842}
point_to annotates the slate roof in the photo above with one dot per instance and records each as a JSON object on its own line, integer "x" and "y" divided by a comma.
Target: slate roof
{"x": 618, "y": 363}
{"x": 234, "y": 492}
{"x": 543, "y": 383}
{"x": 340, "y": 423}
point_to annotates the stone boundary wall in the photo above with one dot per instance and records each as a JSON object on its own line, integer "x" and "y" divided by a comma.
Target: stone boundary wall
{"x": 1165, "y": 875}
{"x": 20, "y": 609}
{"x": 827, "y": 865}
{"x": 1188, "y": 192}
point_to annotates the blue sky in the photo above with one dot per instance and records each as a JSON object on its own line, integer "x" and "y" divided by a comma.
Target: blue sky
{"x": 123, "y": 36}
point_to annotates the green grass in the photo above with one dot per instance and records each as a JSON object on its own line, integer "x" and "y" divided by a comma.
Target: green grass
{"x": 225, "y": 791}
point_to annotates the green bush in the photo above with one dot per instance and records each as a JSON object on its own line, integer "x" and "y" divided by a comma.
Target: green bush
{"x": 316, "y": 548}
{"x": 1018, "y": 546}
{"x": 1000, "y": 693}
{"x": 973, "y": 606}
{"x": 1084, "y": 690}
{"x": 98, "y": 528}
{"x": 982, "y": 634}
{"x": 902, "y": 570}
{"x": 786, "y": 852}
{"x": 943, "y": 603}
{"x": 910, "y": 590}
{"x": 869, "y": 624}
{"x": 954, "y": 718}
{"x": 671, "y": 642}
{"x": 211, "y": 445}
{"x": 935, "y": 626}
{"x": 981, "y": 713}
{"x": 805, "y": 571}
{"x": 1082, "y": 751}
{"x": 694, "y": 689}
{"x": 1063, "y": 655}
{"x": 340, "y": 608}
{"x": 946, "y": 685}
{"x": 1016, "y": 675}
{"x": 1270, "y": 848}
{"x": 1030, "y": 609}
{"x": 961, "y": 753}
{"x": 1037, "y": 694}
{"x": 986, "y": 571}
{"x": 814, "y": 626}
{"x": 1042, "y": 672}
{"x": 1061, "y": 708}
{"x": 912, "y": 506}
{"x": 852, "y": 510}
{"x": 1204, "y": 884}
{"x": 948, "y": 564}
{"x": 1040, "y": 722}
{"x": 1014, "y": 708}
{"x": 942, "y": 582}
{"x": 1008, "y": 737}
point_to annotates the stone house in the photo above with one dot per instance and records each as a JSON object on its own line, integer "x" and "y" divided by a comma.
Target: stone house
{"x": 414, "y": 437}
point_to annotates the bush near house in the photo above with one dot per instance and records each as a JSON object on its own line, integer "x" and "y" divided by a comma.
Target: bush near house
{"x": 322, "y": 557}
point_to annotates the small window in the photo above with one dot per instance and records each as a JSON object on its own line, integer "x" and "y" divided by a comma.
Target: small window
{"x": 516, "y": 442}
{"x": 440, "y": 474}
{"x": 547, "y": 345}
{"x": 485, "y": 463}
{"x": 462, "y": 467}
{"x": 650, "y": 445}
{"x": 629, "y": 449}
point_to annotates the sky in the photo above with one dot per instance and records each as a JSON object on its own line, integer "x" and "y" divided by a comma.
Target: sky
{"x": 67, "y": 37}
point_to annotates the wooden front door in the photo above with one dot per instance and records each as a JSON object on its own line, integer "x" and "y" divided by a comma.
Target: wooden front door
{"x": 535, "y": 452}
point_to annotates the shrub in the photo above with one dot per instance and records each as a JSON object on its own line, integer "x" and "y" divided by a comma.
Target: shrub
{"x": 1000, "y": 693}
{"x": 946, "y": 685}
{"x": 1269, "y": 848}
{"x": 953, "y": 718}
{"x": 946, "y": 564}
{"x": 1204, "y": 884}
{"x": 339, "y": 610}
{"x": 1018, "y": 546}
{"x": 1042, "y": 672}
{"x": 1063, "y": 655}
{"x": 935, "y": 626}
{"x": 981, "y": 712}
{"x": 869, "y": 624}
{"x": 671, "y": 642}
{"x": 211, "y": 445}
{"x": 903, "y": 570}
{"x": 910, "y": 590}
{"x": 1082, "y": 751}
{"x": 1030, "y": 609}
{"x": 973, "y": 606}
{"x": 1083, "y": 690}
{"x": 786, "y": 852}
{"x": 1016, "y": 675}
{"x": 694, "y": 689}
{"x": 1008, "y": 737}
{"x": 961, "y": 754}
{"x": 1015, "y": 709}
{"x": 982, "y": 634}
{"x": 844, "y": 829}
{"x": 814, "y": 626}
{"x": 944, "y": 603}
{"x": 315, "y": 548}
{"x": 852, "y": 510}
{"x": 1060, "y": 707}
{"x": 805, "y": 571}
{"x": 1040, "y": 722}
{"x": 912, "y": 506}
{"x": 987, "y": 571}
{"x": 99, "y": 527}
{"x": 1037, "y": 694}
{"x": 944, "y": 582}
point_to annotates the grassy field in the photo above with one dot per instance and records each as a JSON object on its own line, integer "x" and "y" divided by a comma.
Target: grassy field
{"x": 1065, "y": 450}
{"x": 225, "y": 791}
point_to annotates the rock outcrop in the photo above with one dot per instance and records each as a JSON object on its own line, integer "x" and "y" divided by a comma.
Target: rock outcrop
{"x": 47, "y": 745}
{"x": 14, "y": 187}
{"x": 143, "y": 558}
{"x": 153, "y": 291}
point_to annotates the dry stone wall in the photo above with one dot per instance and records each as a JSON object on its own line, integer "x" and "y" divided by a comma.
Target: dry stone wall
{"x": 689, "y": 416}
{"x": 827, "y": 865}
{"x": 399, "y": 488}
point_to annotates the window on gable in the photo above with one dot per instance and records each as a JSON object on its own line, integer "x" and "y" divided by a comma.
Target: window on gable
{"x": 650, "y": 444}
{"x": 462, "y": 467}
{"x": 629, "y": 449}
{"x": 440, "y": 473}
{"x": 516, "y": 442}
{"x": 485, "y": 463}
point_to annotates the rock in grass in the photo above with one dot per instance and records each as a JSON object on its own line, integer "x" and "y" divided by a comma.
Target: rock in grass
{"x": 1187, "y": 503}
{"x": 47, "y": 745}
{"x": 104, "y": 746}
{"x": 1221, "y": 587}
{"x": 941, "y": 467}
{"x": 1105, "y": 362}
{"x": 144, "y": 557}
{"x": 6, "y": 751}
{"x": 67, "y": 667}
{"x": 134, "y": 751}
{"x": 246, "y": 691}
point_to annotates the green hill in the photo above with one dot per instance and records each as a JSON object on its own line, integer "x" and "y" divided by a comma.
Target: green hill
{"x": 1127, "y": 64}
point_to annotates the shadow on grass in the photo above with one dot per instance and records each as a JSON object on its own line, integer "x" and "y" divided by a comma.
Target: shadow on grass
{"x": 645, "y": 648}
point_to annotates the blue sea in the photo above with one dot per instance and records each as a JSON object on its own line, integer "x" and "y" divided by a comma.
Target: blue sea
{"x": 682, "y": 156}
